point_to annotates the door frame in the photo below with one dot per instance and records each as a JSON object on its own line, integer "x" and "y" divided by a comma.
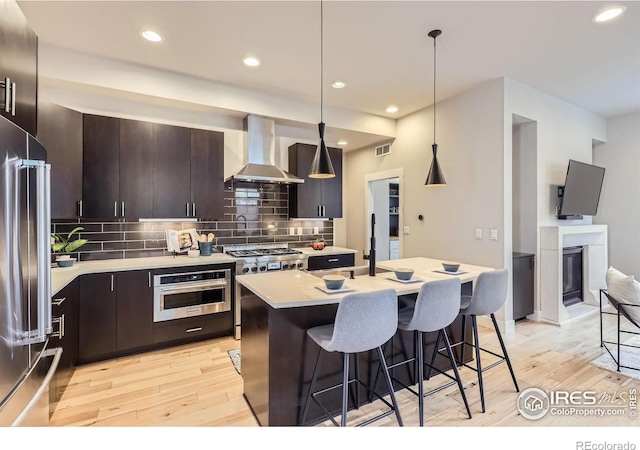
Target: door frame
{"x": 377, "y": 176}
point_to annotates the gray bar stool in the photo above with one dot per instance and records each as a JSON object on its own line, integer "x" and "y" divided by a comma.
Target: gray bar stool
{"x": 364, "y": 321}
{"x": 489, "y": 294}
{"x": 436, "y": 307}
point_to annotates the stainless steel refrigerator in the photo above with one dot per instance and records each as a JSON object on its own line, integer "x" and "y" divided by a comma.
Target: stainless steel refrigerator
{"x": 26, "y": 363}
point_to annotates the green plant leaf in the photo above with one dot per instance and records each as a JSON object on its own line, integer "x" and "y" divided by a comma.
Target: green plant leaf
{"x": 74, "y": 245}
{"x": 56, "y": 237}
{"x": 76, "y": 229}
{"x": 57, "y": 247}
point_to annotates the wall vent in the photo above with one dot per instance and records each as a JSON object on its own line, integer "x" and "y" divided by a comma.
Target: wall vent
{"x": 383, "y": 150}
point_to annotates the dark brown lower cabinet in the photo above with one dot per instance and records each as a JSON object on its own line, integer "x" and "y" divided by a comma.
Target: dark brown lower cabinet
{"x": 115, "y": 314}
{"x": 523, "y": 283}
{"x": 64, "y": 311}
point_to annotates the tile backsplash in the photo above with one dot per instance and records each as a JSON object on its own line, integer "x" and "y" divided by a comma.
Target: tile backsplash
{"x": 253, "y": 214}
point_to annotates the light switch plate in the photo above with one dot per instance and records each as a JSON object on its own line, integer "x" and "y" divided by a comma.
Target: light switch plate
{"x": 494, "y": 235}
{"x": 478, "y": 233}
{"x": 406, "y": 230}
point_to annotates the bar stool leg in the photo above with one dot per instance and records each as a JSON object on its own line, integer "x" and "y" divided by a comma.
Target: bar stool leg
{"x": 345, "y": 389}
{"x": 476, "y": 341}
{"x": 390, "y": 386}
{"x": 433, "y": 356}
{"x": 357, "y": 383}
{"x": 312, "y": 386}
{"x": 504, "y": 352}
{"x": 464, "y": 339}
{"x": 455, "y": 371}
{"x": 419, "y": 357}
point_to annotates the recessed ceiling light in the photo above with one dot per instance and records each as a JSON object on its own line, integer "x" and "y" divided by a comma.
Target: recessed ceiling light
{"x": 392, "y": 109}
{"x": 342, "y": 142}
{"x": 251, "y": 61}
{"x": 339, "y": 84}
{"x": 609, "y": 13}
{"x": 151, "y": 36}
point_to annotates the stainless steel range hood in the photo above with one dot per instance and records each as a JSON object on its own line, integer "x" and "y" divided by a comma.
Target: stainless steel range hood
{"x": 259, "y": 153}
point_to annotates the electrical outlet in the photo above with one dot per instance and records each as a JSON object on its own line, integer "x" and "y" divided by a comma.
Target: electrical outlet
{"x": 315, "y": 230}
{"x": 299, "y": 230}
{"x": 494, "y": 235}
{"x": 478, "y": 233}
{"x": 406, "y": 230}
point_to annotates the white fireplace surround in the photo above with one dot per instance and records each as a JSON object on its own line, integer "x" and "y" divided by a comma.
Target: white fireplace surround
{"x": 552, "y": 240}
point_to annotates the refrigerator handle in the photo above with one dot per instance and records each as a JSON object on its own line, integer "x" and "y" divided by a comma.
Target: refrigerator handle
{"x": 43, "y": 233}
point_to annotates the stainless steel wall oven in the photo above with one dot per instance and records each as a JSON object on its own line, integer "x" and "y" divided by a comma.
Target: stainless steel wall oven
{"x": 189, "y": 294}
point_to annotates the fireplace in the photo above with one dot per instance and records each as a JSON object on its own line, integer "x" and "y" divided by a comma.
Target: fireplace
{"x": 572, "y": 275}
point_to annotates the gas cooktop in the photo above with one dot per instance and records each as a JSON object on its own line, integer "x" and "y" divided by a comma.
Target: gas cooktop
{"x": 262, "y": 252}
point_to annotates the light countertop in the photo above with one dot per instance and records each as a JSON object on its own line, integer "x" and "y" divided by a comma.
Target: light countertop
{"x": 290, "y": 289}
{"x": 62, "y": 276}
{"x": 327, "y": 251}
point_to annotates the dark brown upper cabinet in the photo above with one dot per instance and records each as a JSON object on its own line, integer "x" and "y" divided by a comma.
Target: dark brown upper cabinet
{"x": 315, "y": 197}
{"x": 100, "y": 167}
{"x": 134, "y": 169}
{"x": 207, "y": 174}
{"x": 60, "y": 131}
{"x": 172, "y": 172}
{"x": 18, "y": 68}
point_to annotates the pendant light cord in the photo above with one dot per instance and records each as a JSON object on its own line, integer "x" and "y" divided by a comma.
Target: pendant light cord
{"x": 321, "y": 60}
{"x": 434, "y": 89}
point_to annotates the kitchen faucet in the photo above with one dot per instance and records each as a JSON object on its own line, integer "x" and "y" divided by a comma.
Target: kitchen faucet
{"x": 371, "y": 257}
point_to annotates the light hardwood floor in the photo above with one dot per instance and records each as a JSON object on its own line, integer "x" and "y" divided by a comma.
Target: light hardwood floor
{"x": 196, "y": 385}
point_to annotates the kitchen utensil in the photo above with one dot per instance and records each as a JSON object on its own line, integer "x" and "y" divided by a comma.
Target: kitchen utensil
{"x": 203, "y": 238}
{"x": 403, "y": 273}
{"x": 210, "y": 237}
{"x": 206, "y": 248}
{"x": 451, "y": 266}
{"x": 333, "y": 281}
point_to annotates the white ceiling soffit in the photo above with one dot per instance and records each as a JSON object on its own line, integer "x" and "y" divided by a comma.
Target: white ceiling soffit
{"x": 379, "y": 48}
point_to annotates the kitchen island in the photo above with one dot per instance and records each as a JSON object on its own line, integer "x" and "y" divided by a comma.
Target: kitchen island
{"x": 277, "y": 355}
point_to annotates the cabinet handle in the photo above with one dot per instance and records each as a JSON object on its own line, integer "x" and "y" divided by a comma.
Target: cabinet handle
{"x": 324, "y": 212}
{"x": 188, "y": 210}
{"x": 318, "y": 210}
{"x": 60, "y": 322}
{"x": 122, "y": 208}
{"x": 13, "y": 99}
{"x": 6, "y": 84}
{"x": 111, "y": 283}
{"x": 58, "y": 301}
{"x": 115, "y": 209}
{"x": 80, "y": 208}
{"x": 333, "y": 260}
{"x": 191, "y": 330}
{"x": 193, "y": 209}
{"x": 149, "y": 279}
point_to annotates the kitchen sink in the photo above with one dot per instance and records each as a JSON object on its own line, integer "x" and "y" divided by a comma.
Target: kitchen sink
{"x": 345, "y": 271}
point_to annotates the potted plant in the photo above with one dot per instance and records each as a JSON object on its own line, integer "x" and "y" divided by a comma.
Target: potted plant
{"x": 61, "y": 245}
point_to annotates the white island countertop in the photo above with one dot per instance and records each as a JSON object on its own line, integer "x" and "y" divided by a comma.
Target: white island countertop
{"x": 62, "y": 276}
{"x": 291, "y": 289}
{"x": 327, "y": 251}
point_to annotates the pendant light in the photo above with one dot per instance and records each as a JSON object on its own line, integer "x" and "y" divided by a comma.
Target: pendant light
{"x": 321, "y": 167}
{"x": 435, "y": 177}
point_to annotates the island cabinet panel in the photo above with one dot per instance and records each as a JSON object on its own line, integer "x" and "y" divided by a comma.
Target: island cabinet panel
{"x": 18, "y": 67}
{"x": 100, "y": 167}
{"x": 136, "y": 169}
{"x": 171, "y": 171}
{"x": 331, "y": 261}
{"x": 115, "y": 314}
{"x": 207, "y": 174}
{"x": 314, "y": 197}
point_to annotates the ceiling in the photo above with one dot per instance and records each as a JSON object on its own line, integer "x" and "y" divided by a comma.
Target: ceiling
{"x": 379, "y": 48}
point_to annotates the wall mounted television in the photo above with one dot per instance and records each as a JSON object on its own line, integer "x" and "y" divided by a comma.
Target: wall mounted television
{"x": 580, "y": 194}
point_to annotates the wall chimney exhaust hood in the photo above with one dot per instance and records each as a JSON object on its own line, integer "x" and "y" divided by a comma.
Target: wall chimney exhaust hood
{"x": 259, "y": 154}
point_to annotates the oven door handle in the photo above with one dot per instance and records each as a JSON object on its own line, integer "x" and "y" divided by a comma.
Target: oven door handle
{"x": 192, "y": 288}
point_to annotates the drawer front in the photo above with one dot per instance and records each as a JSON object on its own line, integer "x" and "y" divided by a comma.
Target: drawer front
{"x": 331, "y": 261}
{"x": 183, "y": 329}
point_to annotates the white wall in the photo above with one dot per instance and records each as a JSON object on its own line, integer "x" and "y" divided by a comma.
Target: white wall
{"x": 524, "y": 178}
{"x": 469, "y": 137}
{"x": 619, "y": 206}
